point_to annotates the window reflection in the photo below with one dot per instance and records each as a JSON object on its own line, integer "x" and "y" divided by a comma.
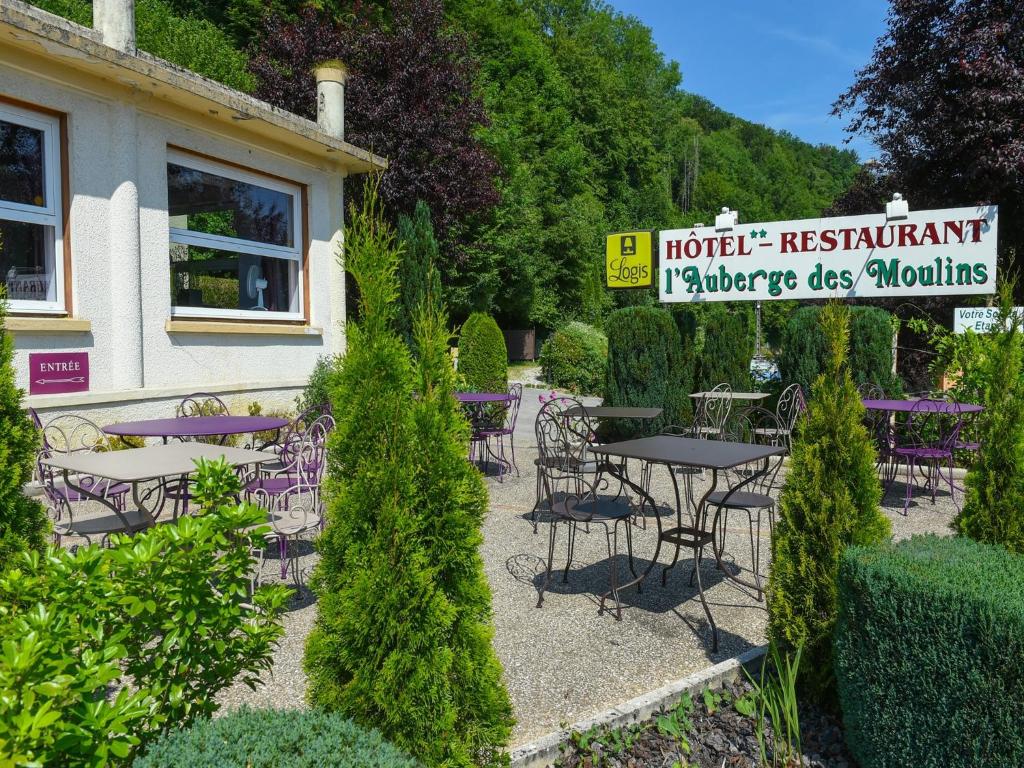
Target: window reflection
{"x": 22, "y": 178}
{"x": 216, "y": 279}
{"x": 26, "y": 261}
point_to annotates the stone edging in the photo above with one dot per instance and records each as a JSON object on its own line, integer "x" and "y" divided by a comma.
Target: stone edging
{"x": 544, "y": 751}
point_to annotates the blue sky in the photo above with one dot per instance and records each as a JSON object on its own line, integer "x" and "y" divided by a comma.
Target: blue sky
{"x": 777, "y": 62}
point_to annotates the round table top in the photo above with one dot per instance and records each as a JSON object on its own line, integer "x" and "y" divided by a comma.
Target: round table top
{"x": 905, "y": 406}
{"x": 196, "y": 426}
{"x": 481, "y": 397}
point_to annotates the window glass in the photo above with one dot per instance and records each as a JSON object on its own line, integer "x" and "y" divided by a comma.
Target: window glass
{"x": 22, "y": 167}
{"x": 218, "y": 279}
{"x": 26, "y": 261}
{"x": 215, "y": 205}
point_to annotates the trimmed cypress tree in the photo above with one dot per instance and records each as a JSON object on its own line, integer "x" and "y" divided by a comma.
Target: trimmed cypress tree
{"x": 417, "y": 272}
{"x": 401, "y": 639}
{"x": 830, "y": 501}
{"x": 722, "y": 340}
{"x": 483, "y": 358}
{"x": 993, "y": 511}
{"x": 648, "y": 366}
{"x": 23, "y": 522}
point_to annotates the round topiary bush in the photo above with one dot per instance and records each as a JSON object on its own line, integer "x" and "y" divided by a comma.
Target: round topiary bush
{"x": 575, "y": 357}
{"x": 270, "y": 738}
{"x": 483, "y": 359}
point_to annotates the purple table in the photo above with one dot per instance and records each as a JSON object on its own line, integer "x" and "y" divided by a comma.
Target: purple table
{"x": 473, "y": 398}
{"x": 196, "y": 426}
{"x": 906, "y": 406}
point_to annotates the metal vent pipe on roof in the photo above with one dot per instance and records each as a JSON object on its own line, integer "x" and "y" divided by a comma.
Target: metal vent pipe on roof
{"x": 330, "y": 97}
{"x": 115, "y": 21}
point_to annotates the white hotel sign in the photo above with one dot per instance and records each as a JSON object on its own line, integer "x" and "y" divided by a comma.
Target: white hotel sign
{"x": 948, "y": 251}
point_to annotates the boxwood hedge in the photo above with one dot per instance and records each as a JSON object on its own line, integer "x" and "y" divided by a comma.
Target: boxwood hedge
{"x": 268, "y": 738}
{"x": 929, "y": 654}
{"x": 575, "y": 357}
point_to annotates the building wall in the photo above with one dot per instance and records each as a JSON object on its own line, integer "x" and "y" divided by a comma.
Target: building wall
{"x": 117, "y": 149}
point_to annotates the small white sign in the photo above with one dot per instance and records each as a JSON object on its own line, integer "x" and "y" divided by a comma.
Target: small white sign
{"x": 979, "y": 319}
{"x": 926, "y": 253}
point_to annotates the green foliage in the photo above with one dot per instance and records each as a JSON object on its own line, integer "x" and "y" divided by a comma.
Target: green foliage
{"x": 722, "y": 340}
{"x": 648, "y": 366}
{"x": 775, "y": 701}
{"x": 929, "y": 654}
{"x": 402, "y": 634}
{"x": 483, "y": 358}
{"x": 830, "y": 501}
{"x": 575, "y": 357}
{"x": 273, "y": 738}
{"x": 417, "y": 273}
{"x": 804, "y": 349}
{"x": 993, "y": 510}
{"x": 318, "y": 389}
{"x": 104, "y": 648}
{"x": 23, "y": 523}
{"x": 183, "y": 39}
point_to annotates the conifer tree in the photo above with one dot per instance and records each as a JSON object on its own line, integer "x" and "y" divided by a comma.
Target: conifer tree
{"x": 401, "y": 640}
{"x": 830, "y": 501}
{"x": 417, "y": 274}
{"x": 23, "y": 522}
{"x": 993, "y": 511}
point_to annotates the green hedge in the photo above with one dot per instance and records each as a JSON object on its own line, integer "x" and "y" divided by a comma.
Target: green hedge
{"x": 722, "y": 339}
{"x": 802, "y": 356}
{"x": 575, "y": 357}
{"x": 929, "y": 654}
{"x": 483, "y": 358}
{"x": 648, "y": 366}
{"x": 267, "y": 738}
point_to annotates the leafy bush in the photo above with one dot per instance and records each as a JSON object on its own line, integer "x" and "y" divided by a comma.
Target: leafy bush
{"x": 270, "y": 738}
{"x": 104, "y": 648}
{"x": 929, "y": 654}
{"x": 23, "y": 522}
{"x": 483, "y": 358}
{"x": 187, "y": 41}
{"x": 647, "y": 367}
{"x": 318, "y": 388}
{"x": 575, "y": 357}
{"x": 722, "y": 340}
{"x": 804, "y": 352}
{"x": 402, "y": 639}
{"x": 830, "y": 501}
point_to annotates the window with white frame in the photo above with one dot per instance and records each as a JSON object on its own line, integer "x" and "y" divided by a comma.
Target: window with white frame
{"x": 31, "y": 234}
{"x": 236, "y": 242}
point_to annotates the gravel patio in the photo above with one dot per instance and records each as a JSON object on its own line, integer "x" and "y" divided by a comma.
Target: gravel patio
{"x": 564, "y": 662}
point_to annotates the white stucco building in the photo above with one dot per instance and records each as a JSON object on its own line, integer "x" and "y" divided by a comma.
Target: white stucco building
{"x": 180, "y": 233}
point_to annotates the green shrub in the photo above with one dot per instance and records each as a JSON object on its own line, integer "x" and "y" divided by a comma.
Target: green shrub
{"x": 402, "y": 634}
{"x": 104, "y": 648}
{"x": 830, "y": 501}
{"x": 270, "y": 738}
{"x": 483, "y": 358}
{"x": 804, "y": 350}
{"x": 318, "y": 389}
{"x": 929, "y": 654}
{"x": 23, "y": 522}
{"x": 722, "y": 340}
{"x": 648, "y": 366}
{"x": 993, "y": 510}
{"x": 417, "y": 272}
{"x": 575, "y": 357}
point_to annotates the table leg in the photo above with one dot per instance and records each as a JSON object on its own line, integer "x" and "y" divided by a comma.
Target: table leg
{"x": 88, "y": 494}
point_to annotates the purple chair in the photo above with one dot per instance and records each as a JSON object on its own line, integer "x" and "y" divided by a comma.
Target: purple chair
{"x": 292, "y": 496}
{"x": 485, "y": 433}
{"x": 925, "y": 442}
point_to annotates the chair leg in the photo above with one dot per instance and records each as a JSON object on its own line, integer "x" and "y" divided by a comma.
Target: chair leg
{"x": 570, "y": 546}
{"x": 512, "y": 448}
{"x": 282, "y": 543}
{"x": 704, "y": 603}
{"x": 910, "y": 484}
{"x": 551, "y": 557}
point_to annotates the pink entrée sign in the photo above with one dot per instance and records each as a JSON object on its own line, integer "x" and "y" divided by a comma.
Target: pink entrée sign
{"x": 54, "y": 373}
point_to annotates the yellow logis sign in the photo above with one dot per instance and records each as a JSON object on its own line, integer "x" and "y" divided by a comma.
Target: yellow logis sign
{"x": 629, "y": 260}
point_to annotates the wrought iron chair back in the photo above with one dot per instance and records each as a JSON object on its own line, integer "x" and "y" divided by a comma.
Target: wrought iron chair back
{"x": 201, "y": 404}
{"x": 931, "y": 425}
{"x": 515, "y": 394}
{"x": 758, "y": 426}
{"x": 564, "y": 433}
{"x": 790, "y": 407}
{"x": 869, "y": 391}
{"x": 712, "y": 412}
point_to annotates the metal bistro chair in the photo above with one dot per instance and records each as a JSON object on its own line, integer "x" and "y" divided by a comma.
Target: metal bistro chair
{"x": 486, "y": 433}
{"x": 879, "y": 424}
{"x": 788, "y": 410}
{"x": 926, "y": 441}
{"x": 574, "y": 498}
{"x": 196, "y": 404}
{"x": 70, "y": 434}
{"x": 712, "y": 412}
{"x": 570, "y": 456}
{"x": 757, "y": 498}
{"x": 292, "y": 496}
